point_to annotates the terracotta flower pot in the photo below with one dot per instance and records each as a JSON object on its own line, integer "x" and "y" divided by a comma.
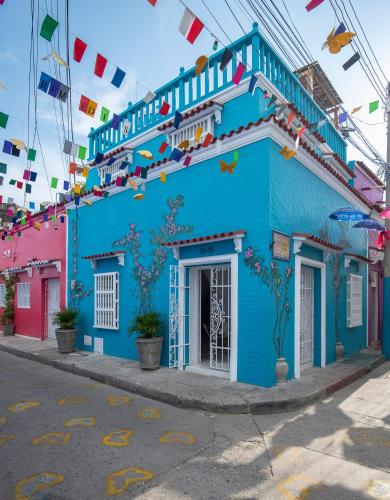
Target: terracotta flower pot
{"x": 66, "y": 340}
{"x": 281, "y": 368}
{"x": 149, "y": 351}
{"x": 8, "y": 329}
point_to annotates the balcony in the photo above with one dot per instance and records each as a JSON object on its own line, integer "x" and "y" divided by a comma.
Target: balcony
{"x": 187, "y": 90}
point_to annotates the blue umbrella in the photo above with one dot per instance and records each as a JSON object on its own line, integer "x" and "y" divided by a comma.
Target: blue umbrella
{"x": 370, "y": 224}
{"x": 348, "y": 214}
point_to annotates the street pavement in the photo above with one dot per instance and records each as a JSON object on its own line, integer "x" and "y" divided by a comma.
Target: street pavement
{"x": 63, "y": 436}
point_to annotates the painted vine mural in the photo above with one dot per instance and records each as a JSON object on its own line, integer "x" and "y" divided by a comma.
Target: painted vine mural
{"x": 77, "y": 292}
{"x": 147, "y": 276}
{"x": 278, "y": 284}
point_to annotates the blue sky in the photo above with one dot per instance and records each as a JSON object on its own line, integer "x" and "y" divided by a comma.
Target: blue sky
{"x": 145, "y": 42}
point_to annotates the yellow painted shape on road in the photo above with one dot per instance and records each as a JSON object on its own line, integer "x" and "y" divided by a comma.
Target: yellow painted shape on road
{"x": 149, "y": 413}
{"x": 378, "y": 489}
{"x": 178, "y": 437}
{"x": 81, "y": 422}
{"x": 5, "y": 438}
{"x": 118, "y": 400}
{"x": 118, "y": 482}
{"x": 53, "y": 439}
{"x": 120, "y": 437}
{"x": 3, "y": 420}
{"x": 299, "y": 487}
{"x": 26, "y": 488}
{"x": 26, "y": 405}
{"x": 72, "y": 400}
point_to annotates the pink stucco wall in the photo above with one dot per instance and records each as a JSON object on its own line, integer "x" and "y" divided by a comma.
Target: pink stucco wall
{"x": 48, "y": 243}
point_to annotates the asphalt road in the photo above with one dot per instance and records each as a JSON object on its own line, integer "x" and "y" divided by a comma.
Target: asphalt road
{"x": 66, "y": 437}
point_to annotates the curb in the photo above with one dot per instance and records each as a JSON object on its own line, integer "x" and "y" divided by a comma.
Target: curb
{"x": 260, "y": 408}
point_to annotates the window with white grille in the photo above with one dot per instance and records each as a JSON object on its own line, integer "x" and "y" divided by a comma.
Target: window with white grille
{"x": 23, "y": 295}
{"x": 106, "y": 314}
{"x": 2, "y": 295}
{"x": 354, "y": 300}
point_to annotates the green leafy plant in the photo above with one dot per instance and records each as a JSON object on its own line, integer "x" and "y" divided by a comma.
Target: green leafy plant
{"x": 7, "y": 315}
{"x": 148, "y": 325}
{"x": 66, "y": 319}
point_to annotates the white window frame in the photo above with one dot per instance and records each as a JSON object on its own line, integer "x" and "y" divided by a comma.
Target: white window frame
{"x": 23, "y": 295}
{"x": 354, "y": 300}
{"x": 2, "y": 294}
{"x": 106, "y": 301}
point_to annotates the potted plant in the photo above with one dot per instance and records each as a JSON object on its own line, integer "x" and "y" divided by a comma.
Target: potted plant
{"x": 66, "y": 333}
{"x": 149, "y": 342}
{"x": 7, "y": 315}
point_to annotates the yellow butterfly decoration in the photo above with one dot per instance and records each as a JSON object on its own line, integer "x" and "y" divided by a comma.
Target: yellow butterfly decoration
{"x": 19, "y": 144}
{"x": 336, "y": 43}
{"x": 58, "y": 59}
{"x": 146, "y": 154}
{"x": 225, "y": 167}
{"x": 200, "y": 64}
{"x": 184, "y": 144}
{"x": 287, "y": 153}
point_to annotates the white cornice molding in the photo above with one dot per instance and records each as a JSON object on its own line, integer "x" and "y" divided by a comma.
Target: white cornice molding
{"x": 257, "y": 133}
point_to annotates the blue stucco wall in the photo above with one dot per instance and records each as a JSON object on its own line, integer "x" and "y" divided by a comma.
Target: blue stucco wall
{"x": 265, "y": 192}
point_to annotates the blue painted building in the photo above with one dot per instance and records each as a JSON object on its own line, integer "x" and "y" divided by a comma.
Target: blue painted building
{"x": 231, "y": 242}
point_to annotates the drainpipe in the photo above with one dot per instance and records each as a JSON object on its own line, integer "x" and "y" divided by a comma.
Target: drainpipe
{"x": 386, "y": 262}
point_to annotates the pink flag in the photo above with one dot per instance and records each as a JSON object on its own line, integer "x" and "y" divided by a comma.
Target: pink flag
{"x": 238, "y": 73}
{"x": 313, "y": 4}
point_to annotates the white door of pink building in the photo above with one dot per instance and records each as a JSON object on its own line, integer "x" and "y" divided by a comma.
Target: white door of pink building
{"x": 52, "y": 305}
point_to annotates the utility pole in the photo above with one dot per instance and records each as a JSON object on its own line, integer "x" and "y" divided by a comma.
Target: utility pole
{"x": 386, "y": 261}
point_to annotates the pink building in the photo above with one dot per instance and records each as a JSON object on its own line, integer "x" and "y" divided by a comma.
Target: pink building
{"x": 35, "y": 252}
{"x": 372, "y": 187}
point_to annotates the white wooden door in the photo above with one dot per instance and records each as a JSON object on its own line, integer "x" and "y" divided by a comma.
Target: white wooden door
{"x": 307, "y": 317}
{"x": 53, "y": 305}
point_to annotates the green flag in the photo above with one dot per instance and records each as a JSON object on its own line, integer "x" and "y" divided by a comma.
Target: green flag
{"x": 54, "y": 182}
{"x": 47, "y": 29}
{"x": 3, "y": 168}
{"x": 32, "y": 153}
{"x": 12, "y": 182}
{"x": 82, "y": 152}
{"x": 235, "y": 155}
{"x": 28, "y": 188}
{"x": 104, "y": 113}
{"x": 373, "y": 106}
{"x": 3, "y": 120}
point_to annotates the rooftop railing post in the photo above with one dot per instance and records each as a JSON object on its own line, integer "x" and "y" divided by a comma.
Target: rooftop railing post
{"x": 255, "y": 47}
{"x": 91, "y": 137}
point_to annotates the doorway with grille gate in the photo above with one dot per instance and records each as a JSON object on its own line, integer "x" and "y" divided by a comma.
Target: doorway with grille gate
{"x": 203, "y": 316}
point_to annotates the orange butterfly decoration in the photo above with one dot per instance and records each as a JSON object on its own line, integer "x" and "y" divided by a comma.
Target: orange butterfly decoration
{"x": 287, "y": 153}
{"x": 225, "y": 167}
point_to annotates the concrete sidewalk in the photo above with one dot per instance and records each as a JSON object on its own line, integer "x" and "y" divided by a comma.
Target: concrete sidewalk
{"x": 190, "y": 390}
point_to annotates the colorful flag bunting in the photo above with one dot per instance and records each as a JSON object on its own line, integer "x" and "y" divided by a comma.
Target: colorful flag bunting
{"x": 235, "y": 155}
{"x": 351, "y": 61}
{"x": 126, "y": 125}
{"x": 26, "y": 175}
{"x": 67, "y": 147}
{"x": 1, "y": 180}
{"x": 48, "y": 27}
{"x": 78, "y": 49}
{"x": 31, "y": 205}
{"x": 187, "y": 161}
{"x": 111, "y": 161}
{"x": 118, "y": 77}
{"x": 165, "y": 107}
{"x": 3, "y": 120}
{"x": 149, "y": 97}
{"x": 53, "y": 87}
{"x": 176, "y": 154}
{"x": 313, "y": 4}
{"x": 104, "y": 114}
{"x": 107, "y": 178}
{"x": 15, "y": 151}
{"x": 3, "y": 168}
{"x": 118, "y": 181}
{"x": 7, "y": 147}
{"x": 226, "y": 58}
{"x": 28, "y": 188}
{"x": 82, "y": 152}
{"x": 32, "y": 153}
{"x": 271, "y": 101}
{"x": 355, "y": 110}
{"x": 190, "y": 26}
{"x": 12, "y": 182}
{"x": 72, "y": 168}
{"x": 240, "y": 70}
{"x": 252, "y": 84}
{"x": 19, "y": 184}
{"x": 209, "y": 137}
{"x": 163, "y": 177}
{"x": 343, "y": 117}
{"x": 85, "y": 172}
{"x": 115, "y": 122}
{"x": 152, "y": 2}
{"x": 87, "y": 106}
{"x": 178, "y": 118}
{"x": 74, "y": 149}
{"x": 198, "y": 134}
{"x": 124, "y": 165}
{"x": 100, "y": 65}
{"x": 163, "y": 147}
{"x": 290, "y": 118}
{"x": 341, "y": 29}
{"x": 54, "y": 182}
{"x": 300, "y": 131}
{"x": 99, "y": 158}
{"x": 215, "y": 45}
{"x": 66, "y": 185}
{"x": 33, "y": 176}
{"x": 373, "y": 106}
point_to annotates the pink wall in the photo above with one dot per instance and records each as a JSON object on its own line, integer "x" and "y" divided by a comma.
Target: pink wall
{"x": 45, "y": 244}
{"x": 362, "y": 180}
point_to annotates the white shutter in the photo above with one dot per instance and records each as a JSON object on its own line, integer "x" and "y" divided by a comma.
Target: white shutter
{"x": 354, "y": 300}
{"x": 106, "y": 307}
{"x": 2, "y": 295}
{"x": 23, "y": 295}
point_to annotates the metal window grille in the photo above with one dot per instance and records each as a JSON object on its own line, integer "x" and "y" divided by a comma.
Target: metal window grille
{"x": 2, "y": 295}
{"x": 354, "y": 300}
{"x": 23, "y": 295}
{"x": 106, "y": 313}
